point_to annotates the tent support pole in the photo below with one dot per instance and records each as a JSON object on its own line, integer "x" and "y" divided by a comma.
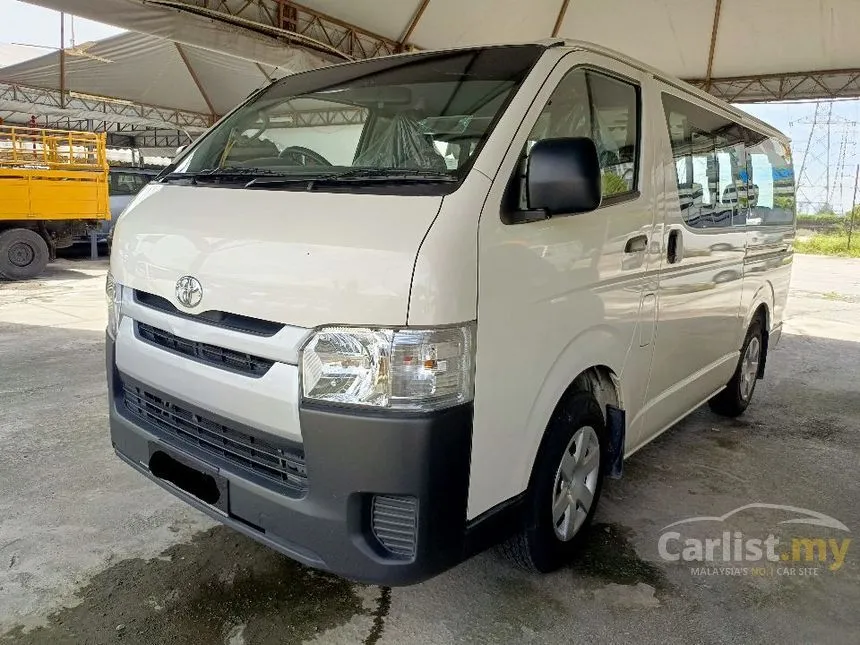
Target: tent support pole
{"x": 410, "y": 28}
{"x": 194, "y": 77}
{"x": 713, "y": 48}
{"x": 560, "y": 19}
{"x": 62, "y": 60}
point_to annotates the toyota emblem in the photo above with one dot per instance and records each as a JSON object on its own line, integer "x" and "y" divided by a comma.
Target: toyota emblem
{"x": 189, "y": 291}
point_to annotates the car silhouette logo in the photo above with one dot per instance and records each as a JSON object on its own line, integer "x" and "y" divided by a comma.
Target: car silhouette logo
{"x": 189, "y": 291}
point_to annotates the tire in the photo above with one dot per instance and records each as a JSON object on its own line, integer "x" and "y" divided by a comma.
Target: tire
{"x": 539, "y": 546}
{"x": 23, "y": 254}
{"x": 736, "y": 397}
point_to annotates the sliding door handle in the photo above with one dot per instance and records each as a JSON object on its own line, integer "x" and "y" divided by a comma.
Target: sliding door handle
{"x": 674, "y": 247}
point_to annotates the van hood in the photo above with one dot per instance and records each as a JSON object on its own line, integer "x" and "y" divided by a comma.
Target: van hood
{"x": 298, "y": 258}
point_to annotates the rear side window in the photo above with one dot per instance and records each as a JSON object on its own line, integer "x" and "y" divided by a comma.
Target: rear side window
{"x": 587, "y": 103}
{"x": 710, "y": 165}
{"x": 772, "y": 183}
{"x": 727, "y": 175}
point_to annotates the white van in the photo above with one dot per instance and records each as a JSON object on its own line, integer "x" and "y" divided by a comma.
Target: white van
{"x": 388, "y": 313}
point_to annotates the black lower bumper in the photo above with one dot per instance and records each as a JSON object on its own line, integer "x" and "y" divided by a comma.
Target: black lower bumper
{"x": 351, "y": 459}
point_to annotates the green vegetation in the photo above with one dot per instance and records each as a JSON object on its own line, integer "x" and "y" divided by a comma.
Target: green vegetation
{"x": 821, "y": 220}
{"x": 830, "y": 244}
{"x": 784, "y": 203}
{"x": 613, "y": 184}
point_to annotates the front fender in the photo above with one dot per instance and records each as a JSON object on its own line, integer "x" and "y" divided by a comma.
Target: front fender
{"x": 597, "y": 346}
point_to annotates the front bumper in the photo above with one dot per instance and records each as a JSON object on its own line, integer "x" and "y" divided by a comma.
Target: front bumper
{"x": 351, "y": 458}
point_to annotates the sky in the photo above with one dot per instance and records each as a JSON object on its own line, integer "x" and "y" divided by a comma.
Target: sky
{"x": 795, "y": 119}
{"x": 31, "y": 25}
{"x": 23, "y": 23}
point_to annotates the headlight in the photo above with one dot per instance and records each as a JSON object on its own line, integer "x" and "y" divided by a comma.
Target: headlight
{"x": 411, "y": 369}
{"x": 113, "y": 295}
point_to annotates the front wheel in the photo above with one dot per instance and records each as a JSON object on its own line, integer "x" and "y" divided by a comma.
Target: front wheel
{"x": 735, "y": 398}
{"x": 565, "y": 487}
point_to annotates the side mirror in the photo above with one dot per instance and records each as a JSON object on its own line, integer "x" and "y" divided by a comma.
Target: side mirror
{"x": 563, "y": 178}
{"x": 180, "y": 149}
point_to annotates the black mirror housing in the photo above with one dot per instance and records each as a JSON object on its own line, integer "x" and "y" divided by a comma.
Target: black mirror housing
{"x": 563, "y": 176}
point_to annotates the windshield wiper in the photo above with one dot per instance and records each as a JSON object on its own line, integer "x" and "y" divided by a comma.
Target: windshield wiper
{"x": 219, "y": 175}
{"x": 356, "y": 175}
{"x": 238, "y": 170}
{"x": 395, "y": 173}
{"x": 265, "y": 178}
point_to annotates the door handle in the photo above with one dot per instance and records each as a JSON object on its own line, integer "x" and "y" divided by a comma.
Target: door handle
{"x": 636, "y": 244}
{"x": 674, "y": 247}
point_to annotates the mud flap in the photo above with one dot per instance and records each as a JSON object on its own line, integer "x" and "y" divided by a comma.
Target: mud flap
{"x": 616, "y": 424}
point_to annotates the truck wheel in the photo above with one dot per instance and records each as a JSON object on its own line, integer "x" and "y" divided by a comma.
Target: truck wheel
{"x": 23, "y": 254}
{"x": 565, "y": 488}
{"x": 734, "y": 399}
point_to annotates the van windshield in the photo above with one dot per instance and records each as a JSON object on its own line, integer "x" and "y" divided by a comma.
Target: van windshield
{"x": 413, "y": 119}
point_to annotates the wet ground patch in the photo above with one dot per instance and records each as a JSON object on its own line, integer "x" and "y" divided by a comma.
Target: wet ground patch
{"x": 729, "y": 443}
{"x": 608, "y": 555}
{"x": 383, "y": 606}
{"x": 220, "y": 588}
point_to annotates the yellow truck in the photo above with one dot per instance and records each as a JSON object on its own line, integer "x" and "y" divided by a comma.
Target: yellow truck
{"x": 53, "y": 187}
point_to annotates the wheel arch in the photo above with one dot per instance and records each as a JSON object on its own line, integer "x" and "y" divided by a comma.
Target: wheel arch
{"x": 761, "y": 304}
{"x": 598, "y": 379}
{"x": 761, "y": 308}
{"x": 762, "y": 314}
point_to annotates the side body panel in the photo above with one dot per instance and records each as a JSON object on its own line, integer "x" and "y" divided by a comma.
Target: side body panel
{"x": 555, "y": 298}
{"x": 699, "y": 320}
{"x": 767, "y": 273}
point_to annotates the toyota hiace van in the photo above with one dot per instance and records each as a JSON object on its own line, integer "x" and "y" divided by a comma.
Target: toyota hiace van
{"x": 388, "y": 313}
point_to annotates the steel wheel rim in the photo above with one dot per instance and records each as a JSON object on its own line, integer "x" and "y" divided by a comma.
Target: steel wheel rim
{"x": 749, "y": 367}
{"x": 21, "y": 254}
{"x": 575, "y": 483}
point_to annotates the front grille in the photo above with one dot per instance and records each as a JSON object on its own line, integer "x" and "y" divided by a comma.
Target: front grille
{"x": 224, "y": 319}
{"x": 206, "y": 438}
{"x": 227, "y": 359}
{"x": 394, "y": 521}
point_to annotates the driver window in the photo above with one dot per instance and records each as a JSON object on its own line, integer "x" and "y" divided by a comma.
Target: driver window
{"x": 590, "y": 104}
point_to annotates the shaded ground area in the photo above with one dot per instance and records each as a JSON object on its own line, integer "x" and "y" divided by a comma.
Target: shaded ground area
{"x": 130, "y": 564}
{"x": 217, "y": 587}
{"x": 221, "y": 587}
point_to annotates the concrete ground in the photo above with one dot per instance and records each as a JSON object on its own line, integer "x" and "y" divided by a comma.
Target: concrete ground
{"x": 91, "y": 552}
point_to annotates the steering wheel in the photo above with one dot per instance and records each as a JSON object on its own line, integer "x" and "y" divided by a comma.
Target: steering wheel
{"x": 303, "y": 156}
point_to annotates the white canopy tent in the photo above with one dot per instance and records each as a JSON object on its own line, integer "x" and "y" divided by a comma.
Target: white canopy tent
{"x": 193, "y": 59}
{"x": 154, "y": 71}
{"x": 700, "y": 40}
